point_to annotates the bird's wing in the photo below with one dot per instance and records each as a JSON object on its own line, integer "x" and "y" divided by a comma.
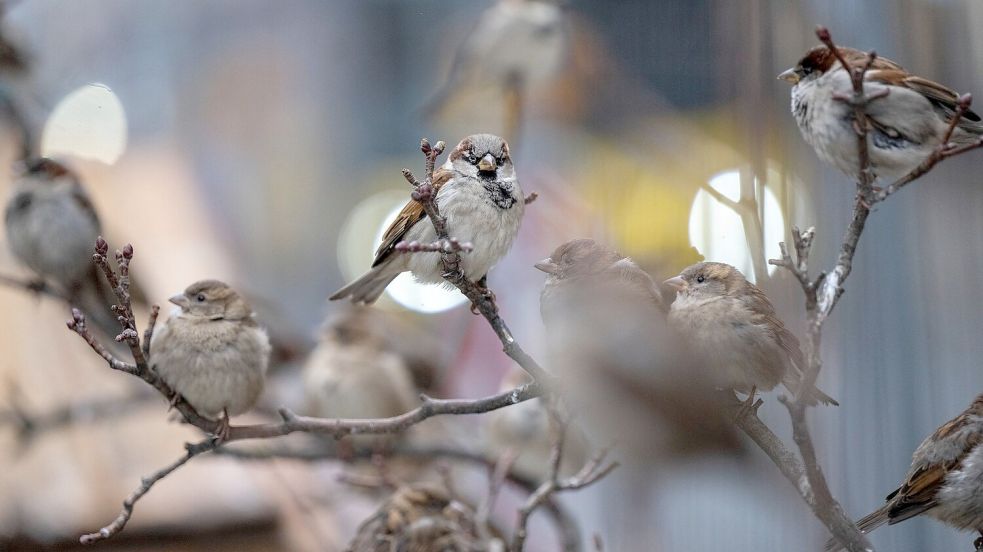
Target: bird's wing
{"x": 917, "y": 494}
{"x": 764, "y": 314}
{"x": 941, "y": 96}
{"x": 410, "y": 215}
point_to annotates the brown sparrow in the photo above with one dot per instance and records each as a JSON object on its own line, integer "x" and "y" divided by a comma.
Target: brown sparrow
{"x": 51, "y": 223}
{"x": 478, "y": 194}
{"x": 732, "y": 325}
{"x": 513, "y": 43}
{"x": 351, "y": 374}
{"x": 578, "y": 265}
{"x": 906, "y": 126}
{"x": 212, "y": 352}
{"x": 945, "y": 480}
{"x": 625, "y": 372}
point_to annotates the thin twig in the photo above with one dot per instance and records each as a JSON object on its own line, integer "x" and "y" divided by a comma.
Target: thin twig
{"x": 146, "y": 484}
{"x": 439, "y": 246}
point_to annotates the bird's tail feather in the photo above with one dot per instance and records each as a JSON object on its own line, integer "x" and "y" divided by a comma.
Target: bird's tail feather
{"x": 866, "y": 524}
{"x": 813, "y": 396}
{"x": 368, "y": 287}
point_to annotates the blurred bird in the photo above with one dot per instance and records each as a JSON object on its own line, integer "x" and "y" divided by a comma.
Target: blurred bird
{"x": 477, "y": 192}
{"x": 423, "y": 518}
{"x": 352, "y": 374}
{"x": 627, "y": 374}
{"x": 945, "y": 480}
{"x": 51, "y": 223}
{"x": 732, "y": 325}
{"x": 906, "y": 126}
{"x": 212, "y": 352}
{"x": 524, "y": 428}
{"x": 514, "y": 46}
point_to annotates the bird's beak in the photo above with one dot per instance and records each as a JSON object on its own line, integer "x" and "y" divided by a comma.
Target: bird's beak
{"x": 547, "y": 265}
{"x": 180, "y": 300}
{"x": 789, "y": 76}
{"x": 487, "y": 163}
{"x": 677, "y": 283}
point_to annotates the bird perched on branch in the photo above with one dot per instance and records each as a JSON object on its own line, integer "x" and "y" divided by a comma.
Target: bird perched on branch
{"x": 626, "y": 372}
{"x": 353, "y": 374}
{"x": 945, "y": 480}
{"x": 478, "y": 194}
{"x": 733, "y": 327}
{"x": 514, "y": 45}
{"x": 905, "y": 126}
{"x": 212, "y": 352}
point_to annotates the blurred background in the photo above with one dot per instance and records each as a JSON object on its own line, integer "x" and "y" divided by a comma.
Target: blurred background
{"x": 261, "y": 142}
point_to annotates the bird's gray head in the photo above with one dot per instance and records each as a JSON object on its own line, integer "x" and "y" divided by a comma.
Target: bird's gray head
{"x": 214, "y": 300}
{"x": 483, "y": 156}
{"x": 705, "y": 280}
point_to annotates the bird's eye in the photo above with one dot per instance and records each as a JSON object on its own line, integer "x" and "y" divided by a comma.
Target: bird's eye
{"x": 472, "y": 158}
{"x": 700, "y": 279}
{"x": 200, "y": 298}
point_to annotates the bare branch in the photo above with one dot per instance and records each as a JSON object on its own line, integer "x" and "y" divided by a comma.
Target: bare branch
{"x": 533, "y": 196}
{"x": 38, "y": 286}
{"x": 146, "y": 483}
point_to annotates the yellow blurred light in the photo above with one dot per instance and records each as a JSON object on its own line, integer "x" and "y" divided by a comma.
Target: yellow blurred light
{"x": 89, "y": 123}
{"x": 717, "y": 232}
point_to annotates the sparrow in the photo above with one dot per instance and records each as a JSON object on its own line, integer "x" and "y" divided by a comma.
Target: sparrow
{"x": 51, "y": 223}
{"x": 905, "y": 126}
{"x": 515, "y": 43}
{"x": 479, "y": 196}
{"x": 424, "y": 517}
{"x": 580, "y": 264}
{"x": 732, "y": 325}
{"x": 945, "y": 480}
{"x": 212, "y": 352}
{"x": 352, "y": 374}
{"x": 624, "y": 370}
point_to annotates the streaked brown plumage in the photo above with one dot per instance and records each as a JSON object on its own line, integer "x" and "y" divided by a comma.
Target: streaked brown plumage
{"x": 732, "y": 325}
{"x": 945, "y": 480}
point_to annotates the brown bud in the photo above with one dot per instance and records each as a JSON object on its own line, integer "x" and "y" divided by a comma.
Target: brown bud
{"x": 127, "y": 251}
{"x": 101, "y": 246}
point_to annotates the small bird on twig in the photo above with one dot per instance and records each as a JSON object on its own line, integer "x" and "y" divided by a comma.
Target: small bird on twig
{"x": 628, "y": 375}
{"x": 212, "y": 352}
{"x": 514, "y": 45}
{"x": 353, "y": 374}
{"x": 905, "y": 126}
{"x": 479, "y": 196}
{"x": 945, "y": 480}
{"x": 732, "y": 326}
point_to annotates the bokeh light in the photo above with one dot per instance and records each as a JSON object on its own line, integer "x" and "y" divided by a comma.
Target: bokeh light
{"x": 716, "y": 231}
{"x": 88, "y": 123}
{"x": 362, "y": 234}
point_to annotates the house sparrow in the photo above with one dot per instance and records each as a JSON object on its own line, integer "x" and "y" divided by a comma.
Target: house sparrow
{"x": 212, "y": 352}
{"x": 733, "y": 326}
{"x": 626, "y": 373}
{"x": 352, "y": 374}
{"x": 51, "y": 223}
{"x": 514, "y": 43}
{"x": 424, "y": 517}
{"x": 945, "y": 480}
{"x": 478, "y": 194}
{"x": 906, "y": 126}
{"x": 584, "y": 263}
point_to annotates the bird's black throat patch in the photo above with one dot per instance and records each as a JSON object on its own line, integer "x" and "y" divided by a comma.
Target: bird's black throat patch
{"x": 500, "y": 193}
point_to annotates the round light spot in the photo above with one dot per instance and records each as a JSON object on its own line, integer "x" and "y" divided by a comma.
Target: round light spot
{"x": 361, "y": 235}
{"x": 88, "y": 123}
{"x": 716, "y": 231}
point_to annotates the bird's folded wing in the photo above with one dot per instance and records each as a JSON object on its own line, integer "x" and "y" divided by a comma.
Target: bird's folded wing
{"x": 410, "y": 215}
